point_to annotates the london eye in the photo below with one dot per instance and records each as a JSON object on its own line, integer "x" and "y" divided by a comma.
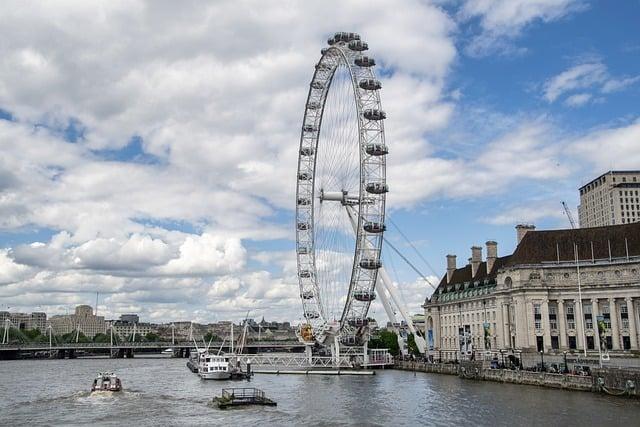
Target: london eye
{"x": 341, "y": 190}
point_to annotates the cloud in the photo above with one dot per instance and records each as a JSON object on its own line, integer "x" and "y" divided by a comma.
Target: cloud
{"x": 615, "y": 85}
{"x": 609, "y": 148}
{"x": 578, "y": 100}
{"x": 10, "y": 271}
{"x": 206, "y": 255}
{"x": 578, "y": 77}
{"x": 527, "y": 214}
{"x": 502, "y": 21}
{"x": 581, "y": 77}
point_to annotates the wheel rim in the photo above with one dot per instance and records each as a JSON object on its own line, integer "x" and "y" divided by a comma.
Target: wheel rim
{"x": 341, "y": 186}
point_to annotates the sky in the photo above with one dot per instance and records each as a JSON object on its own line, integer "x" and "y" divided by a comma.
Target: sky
{"x": 149, "y": 149}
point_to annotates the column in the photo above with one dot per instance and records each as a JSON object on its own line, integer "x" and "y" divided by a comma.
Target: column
{"x": 579, "y": 318}
{"x": 631, "y": 310}
{"x": 615, "y": 329}
{"x": 499, "y": 325}
{"x": 546, "y": 325}
{"x": 594, "y": 314}
{"x": 562, "y": 324}
{"x": 530, "y": 330}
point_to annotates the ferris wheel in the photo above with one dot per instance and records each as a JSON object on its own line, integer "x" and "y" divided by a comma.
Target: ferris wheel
{"x": 341, "y": 188}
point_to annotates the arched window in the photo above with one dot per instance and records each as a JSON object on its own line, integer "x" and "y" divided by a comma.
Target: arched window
{"x": 508, "y": 282}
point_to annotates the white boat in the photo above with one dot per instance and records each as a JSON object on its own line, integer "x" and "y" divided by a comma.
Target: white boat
{"x": 214, "y": 367}
{"x": 106, "y": 382}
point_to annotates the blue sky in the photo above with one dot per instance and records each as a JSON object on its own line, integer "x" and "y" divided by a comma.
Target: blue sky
{"x": 150, "y": 156}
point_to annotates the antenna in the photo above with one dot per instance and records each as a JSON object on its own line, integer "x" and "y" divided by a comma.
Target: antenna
{"x": 568, "y": 213}
{"x": 96, "y": 311}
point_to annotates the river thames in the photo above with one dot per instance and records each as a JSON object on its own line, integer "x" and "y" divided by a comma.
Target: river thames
{"x": 163, "y": 391}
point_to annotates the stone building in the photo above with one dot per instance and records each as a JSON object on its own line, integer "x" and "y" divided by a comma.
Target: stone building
{"x": 610, "y": 199}
{"x": 35, "y": 320}
{"x": 529, "y": 301}
{"x": 83, "y": 319}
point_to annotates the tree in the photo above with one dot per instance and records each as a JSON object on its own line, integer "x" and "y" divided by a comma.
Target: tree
{"x": 411, "y": 343}
{"x": 151, "y": 337}
{"x": 101, "y": 338}
{"x": 211, "y": 337}
{"x": 386, "y": 339}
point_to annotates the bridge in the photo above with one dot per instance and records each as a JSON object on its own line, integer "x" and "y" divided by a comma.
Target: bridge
{"x": 127, "y": 349}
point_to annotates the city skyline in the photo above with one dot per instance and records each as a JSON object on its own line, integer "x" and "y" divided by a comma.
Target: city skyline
{"x": 158, "y": 169}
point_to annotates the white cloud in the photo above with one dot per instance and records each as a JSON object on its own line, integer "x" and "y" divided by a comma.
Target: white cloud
{"x": 578, "y": 100}
{"x": 10, "y": 271}
{"x": 581, "y": 76}
{"x": 609, "y": 148}
{"x": 501, "y": 21}
{"x": 528, "y": 214}
{"x": 592, "y": 76}
{"x": 615, "y": 85}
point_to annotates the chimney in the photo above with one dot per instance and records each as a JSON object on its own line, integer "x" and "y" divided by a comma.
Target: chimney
{"x": 492, "y": 254}
{"x": 523, "y": 229}
{"x": 475, "y": 260}
{"x": 451, "y": 266}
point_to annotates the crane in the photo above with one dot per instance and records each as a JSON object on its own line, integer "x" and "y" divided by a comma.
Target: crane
{"x": 568, "y": 212}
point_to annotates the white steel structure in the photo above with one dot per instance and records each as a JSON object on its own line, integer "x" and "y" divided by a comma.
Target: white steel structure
{"x": 341, "y": 188}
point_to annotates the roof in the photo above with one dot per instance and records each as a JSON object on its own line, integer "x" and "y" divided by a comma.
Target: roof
{"x": 621, "y": 172}
{"x": 552, "y": 245}
{"x": 463, "y": 274}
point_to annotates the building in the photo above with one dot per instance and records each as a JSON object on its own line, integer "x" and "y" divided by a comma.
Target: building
{"x": 130, "y": 318}
{"x": 83, "y": 319}
{"x": 125, "y": 329}
{"x": 610, "y": 199}
{"x": 530, "y": 301}
{"x": 35, "y": 320}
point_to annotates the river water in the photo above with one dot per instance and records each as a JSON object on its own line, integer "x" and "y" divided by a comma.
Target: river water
{"x": 163, "y": 391}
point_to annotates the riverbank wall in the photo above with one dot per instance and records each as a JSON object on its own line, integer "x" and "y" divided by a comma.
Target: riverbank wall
{"x": 612, "y": 381}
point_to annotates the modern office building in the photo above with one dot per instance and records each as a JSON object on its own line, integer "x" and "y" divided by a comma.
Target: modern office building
{"x": 83, "y": 319}
{"x": 610, "y": 199}
{"x": 539, "y": 298}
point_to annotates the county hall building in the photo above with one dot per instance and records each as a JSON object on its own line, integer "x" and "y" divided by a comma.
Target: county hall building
{"x": 529, "y": 301}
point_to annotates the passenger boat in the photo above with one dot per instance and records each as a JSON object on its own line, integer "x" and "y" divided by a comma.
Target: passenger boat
{"x": 106, "y": 382}
{"x": 214, "y": 367}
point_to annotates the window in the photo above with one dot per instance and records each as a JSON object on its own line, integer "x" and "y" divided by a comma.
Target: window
{"x": 588, "y": 316}
{"x": 624, "y": 316}
{"x": 553, "y": 318}
{"x": 571, "y": 322}
{"x": 554, "y": 342}
{"x": 590, "y": 343}
{"x": 606, "y": 314}
{"x": 572, "y": 343}
{"x": 537, "y": 316}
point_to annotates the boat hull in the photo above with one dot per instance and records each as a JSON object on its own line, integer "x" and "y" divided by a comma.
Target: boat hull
{"x": 219, "y": 375}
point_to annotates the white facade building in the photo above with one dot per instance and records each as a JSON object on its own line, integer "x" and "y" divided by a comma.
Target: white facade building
{"x": 529, "y": 301}
{"x": 83, "y": 319}
{"x": 610, "y": 199}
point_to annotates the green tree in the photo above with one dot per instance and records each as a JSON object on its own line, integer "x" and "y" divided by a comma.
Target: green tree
{"x": 211, "y": 337}
{"x": 101, "y": 338}
{"x": 151, "y": 337}
{"x": 411, "y": 343}
{"x": 385, "y": 339}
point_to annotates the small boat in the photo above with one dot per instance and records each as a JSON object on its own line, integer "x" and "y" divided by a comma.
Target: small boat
{"x": 214, "y": 367}
{"x": 106, "y": 382}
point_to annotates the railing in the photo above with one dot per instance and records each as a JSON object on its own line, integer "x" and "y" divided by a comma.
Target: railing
{"x": 244, "y": 393}
{"x": 92, "y": 345}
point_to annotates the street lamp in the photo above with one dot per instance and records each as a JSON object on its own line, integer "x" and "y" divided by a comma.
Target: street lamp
{"x": 502, "y": 357}
{"x": 566, "y": 367}
{"x": 542, "y": 361}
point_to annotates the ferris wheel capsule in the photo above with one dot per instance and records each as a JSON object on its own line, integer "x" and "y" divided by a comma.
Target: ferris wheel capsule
{"x": 370, "y": 84}
{"x": 364, "y": 61}
{"x": 374, "y": 114}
